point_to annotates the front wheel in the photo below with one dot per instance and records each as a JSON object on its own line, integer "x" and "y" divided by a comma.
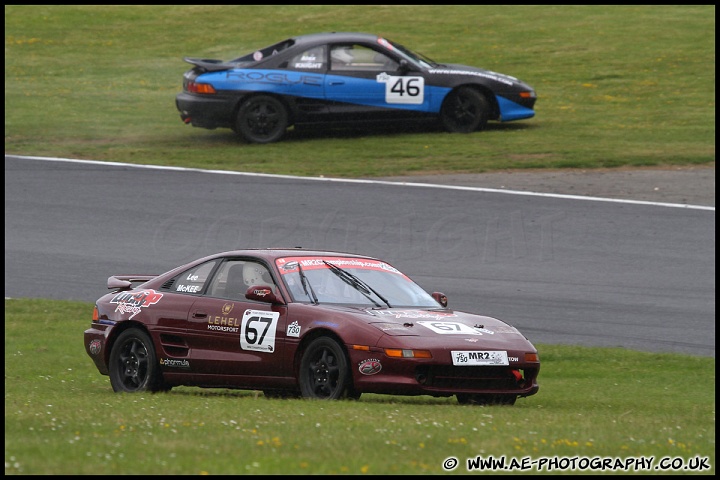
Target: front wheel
{"x": 134, "y": 366}
{"x": 324, "y": 372}
{"x": 262, "y": 119}
{"x": 465, "y": 110}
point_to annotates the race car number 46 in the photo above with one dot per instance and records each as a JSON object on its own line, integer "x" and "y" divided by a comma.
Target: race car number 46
{"x": 473, "y": 357}
{"x": 405, "y": 90}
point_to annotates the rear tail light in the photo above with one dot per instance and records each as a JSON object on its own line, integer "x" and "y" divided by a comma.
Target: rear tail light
{"x": 203, "y": 88}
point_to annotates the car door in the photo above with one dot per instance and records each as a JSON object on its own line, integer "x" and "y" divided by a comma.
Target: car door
{"x": 231, "y": 335}
{"x": 364, "y": 82}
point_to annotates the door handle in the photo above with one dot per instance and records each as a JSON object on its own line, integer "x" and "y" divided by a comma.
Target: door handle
{"x": 199, "y": 314}
{"x": 337, "y": 83}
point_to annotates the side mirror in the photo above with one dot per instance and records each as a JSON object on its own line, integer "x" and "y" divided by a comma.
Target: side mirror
{"x": 404, "y": 66}
{"x": 441, "y": 298}
{"x": 262, "y": 293}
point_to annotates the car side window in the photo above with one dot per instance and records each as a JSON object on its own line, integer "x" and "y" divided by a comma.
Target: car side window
{"x": 312, "y": 59}
{"x": 234, "y": 277}
{"x": 355, "y": 57}
{"x": 191, "y": 281}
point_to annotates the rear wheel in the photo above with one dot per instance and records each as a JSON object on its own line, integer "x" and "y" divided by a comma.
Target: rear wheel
{"x": 133, "y": 365}
{"x": 324, "y": 372}
{"x": 262, "y": 119}
{"x": 465, "y": 110}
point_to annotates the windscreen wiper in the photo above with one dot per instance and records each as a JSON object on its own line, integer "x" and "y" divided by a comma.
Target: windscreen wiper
{"x": 307, "y": 287}
{"x": 356, "y": 283}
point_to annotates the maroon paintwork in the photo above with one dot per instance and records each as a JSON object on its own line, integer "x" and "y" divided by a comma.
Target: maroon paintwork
{"x": 189, "y": 327}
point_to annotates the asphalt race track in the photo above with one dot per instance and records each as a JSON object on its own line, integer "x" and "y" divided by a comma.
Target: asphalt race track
{"x": 562, "y": 269}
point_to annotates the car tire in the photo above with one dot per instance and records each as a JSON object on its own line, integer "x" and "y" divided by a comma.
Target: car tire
{"x": 324, "y": 372}
{"x": 470, "y": 399}
{"x": 465, "y": 110}
{"x": 134, "y": 365}
{"x": 262, "y": 119}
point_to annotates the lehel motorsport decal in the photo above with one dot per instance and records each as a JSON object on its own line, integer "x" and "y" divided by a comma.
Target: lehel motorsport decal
{"x": 257, "y": 331}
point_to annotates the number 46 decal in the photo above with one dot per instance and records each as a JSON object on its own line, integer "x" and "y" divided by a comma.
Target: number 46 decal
{"x": 406, "y": 90}
{"x": 257, "y": 331}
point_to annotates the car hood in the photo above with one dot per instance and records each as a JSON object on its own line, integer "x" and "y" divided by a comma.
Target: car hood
{"x": 457, "y": 69}
{"x": 428, "y": 322}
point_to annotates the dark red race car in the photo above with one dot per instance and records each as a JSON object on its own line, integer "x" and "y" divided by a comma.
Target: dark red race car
{"x": 294, "y": 322}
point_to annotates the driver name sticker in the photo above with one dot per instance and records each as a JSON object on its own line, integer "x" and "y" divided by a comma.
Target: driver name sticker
{"x": 257, "y": 331}
{"x": 449, "y": 328}
{"x": 474, "y": 357}
{"x": 403, "y": 90}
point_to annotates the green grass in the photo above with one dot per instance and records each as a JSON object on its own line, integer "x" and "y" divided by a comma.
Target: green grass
{"x": 617, "y": 85}
{"x": 62, "y": 417}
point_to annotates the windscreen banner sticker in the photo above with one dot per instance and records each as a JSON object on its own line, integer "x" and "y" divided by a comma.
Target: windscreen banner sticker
{"x": 257, "y": 330}
{"x": 473, "y": 358}
{"x": 404, "y": 90}
{"x": 290, "y": 264}
{"x": 449, "y": 328}
{"x": 134, "y": 302}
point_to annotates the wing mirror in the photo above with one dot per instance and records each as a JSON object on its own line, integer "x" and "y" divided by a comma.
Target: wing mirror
{"x": 441, "y": 298}
{"x": 262, "y": 293}
{"x": 404, "y": 66}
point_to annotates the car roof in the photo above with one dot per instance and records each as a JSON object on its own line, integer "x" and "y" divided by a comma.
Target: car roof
{"x": 271, "y": 254}
{"x": 331, "y": 37}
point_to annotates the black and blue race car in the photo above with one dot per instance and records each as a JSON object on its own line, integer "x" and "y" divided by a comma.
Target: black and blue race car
{"x": 344, "y": 78}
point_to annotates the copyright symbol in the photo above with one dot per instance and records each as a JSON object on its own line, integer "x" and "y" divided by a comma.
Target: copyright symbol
{"x": 450, "y": 463}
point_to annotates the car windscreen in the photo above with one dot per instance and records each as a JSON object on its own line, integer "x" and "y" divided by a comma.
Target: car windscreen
{"x": 351, "y": 281}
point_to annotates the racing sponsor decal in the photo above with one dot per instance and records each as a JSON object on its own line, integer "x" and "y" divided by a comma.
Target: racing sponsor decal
{"x": 371, "y": 366}
{"x": 293, "y": 330}
{"x": 134, "y": 302}
{"x": 224, "y": 322}
{"x": 227, "y": 308}
{"x": 414, "y": 314}
{"x": 449, "y": 328}
{"x": 262, "y": 292}
{"x": 472, "y": 357}
{"x": 289, "y": 265}
{"x": 498, "y": 77}
{"x": 257, "y": 56}
{"x": 95, "y": 347}
{"x": 403, "y": 90}
{"x": 257, "y": 331}
{"x": 174, "y": 363}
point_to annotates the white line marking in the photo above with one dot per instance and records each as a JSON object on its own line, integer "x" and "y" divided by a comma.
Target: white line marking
{"x": 376, "y": 182}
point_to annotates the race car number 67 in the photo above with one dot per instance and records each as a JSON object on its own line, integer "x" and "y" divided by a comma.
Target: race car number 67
{"x": 257, "y": 331}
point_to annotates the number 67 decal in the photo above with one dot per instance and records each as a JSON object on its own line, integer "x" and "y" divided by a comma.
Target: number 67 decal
{"x": 405, "y": 90}
{"x": 257, "y": 331}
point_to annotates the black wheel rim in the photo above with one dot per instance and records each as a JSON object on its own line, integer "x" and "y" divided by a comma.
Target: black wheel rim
{"x": 465, "y": 111}
{"x": 133, "y": 364}
{"x": 324, "y": 373}
{"x": 263, "y": 119}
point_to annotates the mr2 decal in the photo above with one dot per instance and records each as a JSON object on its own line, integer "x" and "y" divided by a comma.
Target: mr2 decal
{"x": 473, "y": 358}
{"x": 257, "y": 331}
{"x": 134, "y": 302}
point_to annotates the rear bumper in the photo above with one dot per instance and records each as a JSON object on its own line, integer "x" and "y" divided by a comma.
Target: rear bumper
{"x": 206, "y": 111}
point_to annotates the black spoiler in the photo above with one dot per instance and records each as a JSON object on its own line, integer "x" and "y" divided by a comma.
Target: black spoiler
{"x": 209, "y": 64}
{"x": 125, "y": 282}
